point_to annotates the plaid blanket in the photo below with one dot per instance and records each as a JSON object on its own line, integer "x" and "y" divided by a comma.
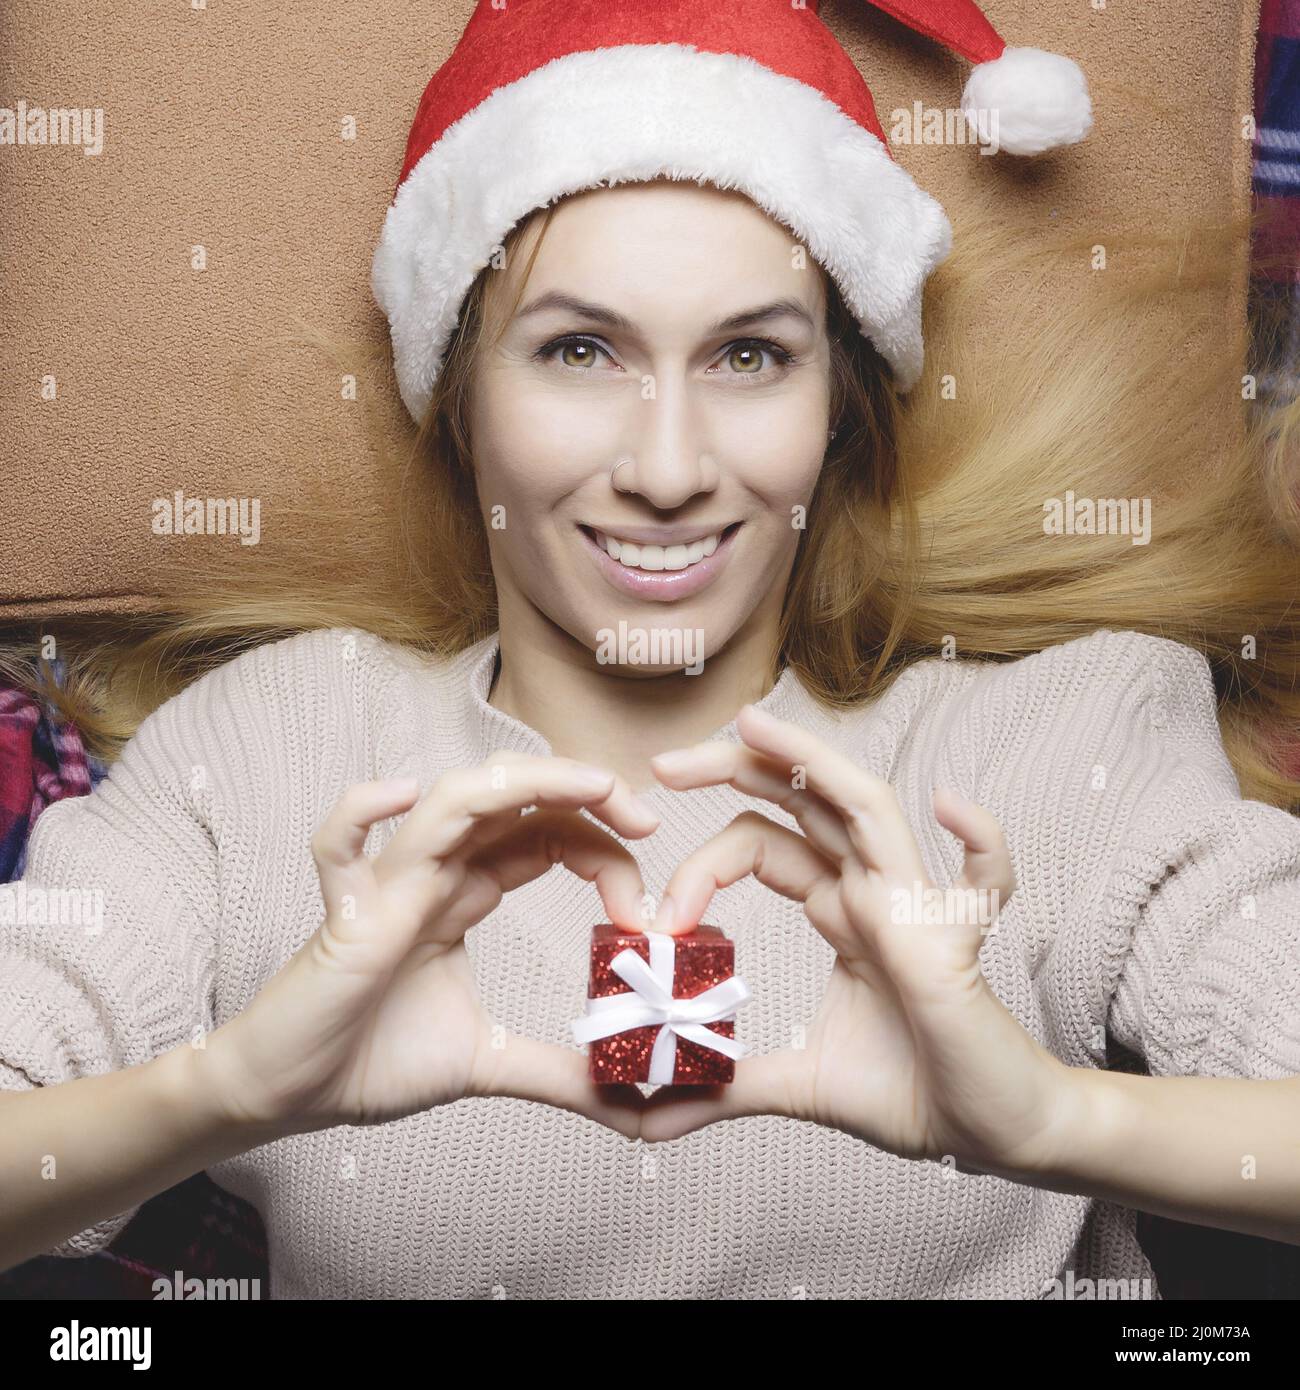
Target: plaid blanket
{"x": 1275, "y": 280}
{"x": 197, "y": 1228}
{"x": 40, "y": 762}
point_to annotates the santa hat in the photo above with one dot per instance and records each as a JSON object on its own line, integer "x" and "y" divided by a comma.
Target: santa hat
{"x": 542, "y": 98}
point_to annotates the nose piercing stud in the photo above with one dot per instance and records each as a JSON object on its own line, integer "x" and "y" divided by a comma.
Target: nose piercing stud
{"x": 614, "y": 470}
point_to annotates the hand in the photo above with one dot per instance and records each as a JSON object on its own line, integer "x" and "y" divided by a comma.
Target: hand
{"x": 911, "y": 1050}
{"x": 376, "y": 1016}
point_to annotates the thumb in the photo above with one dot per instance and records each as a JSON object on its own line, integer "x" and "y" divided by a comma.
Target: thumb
{"x": 987, "y": 864}
{"x": 772, "y": 1083}
{"x": 338, "y": 846}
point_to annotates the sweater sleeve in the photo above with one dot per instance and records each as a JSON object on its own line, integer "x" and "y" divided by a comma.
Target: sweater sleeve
{"x": 1200, "y": 916}
{"x": 107, "y": 944}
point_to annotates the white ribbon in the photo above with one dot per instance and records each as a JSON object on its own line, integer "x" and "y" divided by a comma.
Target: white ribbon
{"x": 650, "y": 1001}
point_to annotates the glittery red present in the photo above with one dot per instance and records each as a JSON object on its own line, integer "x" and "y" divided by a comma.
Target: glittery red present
{"x": 703, "y": 957}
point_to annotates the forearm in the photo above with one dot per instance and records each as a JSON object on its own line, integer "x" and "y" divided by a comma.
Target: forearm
{"x": 1214, "y": 1151}
{"x": 77, "y": 1153}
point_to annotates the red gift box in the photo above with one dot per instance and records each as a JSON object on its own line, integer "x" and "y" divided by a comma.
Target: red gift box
{"x": 646, "y": 1015}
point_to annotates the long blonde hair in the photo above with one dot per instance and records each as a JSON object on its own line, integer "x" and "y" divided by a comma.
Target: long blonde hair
{"x": 925, "y": 532}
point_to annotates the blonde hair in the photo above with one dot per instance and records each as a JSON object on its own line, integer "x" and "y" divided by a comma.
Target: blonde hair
{"x": 925, "y": 530}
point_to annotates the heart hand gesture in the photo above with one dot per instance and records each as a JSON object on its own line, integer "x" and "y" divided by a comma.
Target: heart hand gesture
{"x": 377, "y": 1015}
{"x": 911, "y": 1050}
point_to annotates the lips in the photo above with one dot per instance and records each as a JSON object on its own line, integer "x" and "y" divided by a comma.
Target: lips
{"x": 654, "y": 558}
{"x": 660, "y": 572}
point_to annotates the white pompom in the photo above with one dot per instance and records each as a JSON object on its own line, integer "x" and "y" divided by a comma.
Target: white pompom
{"x": 1028, "y": 101}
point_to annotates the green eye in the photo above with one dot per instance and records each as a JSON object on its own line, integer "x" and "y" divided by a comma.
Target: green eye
{"x": 747, "y": 358}
{"x": 587, "y": 357}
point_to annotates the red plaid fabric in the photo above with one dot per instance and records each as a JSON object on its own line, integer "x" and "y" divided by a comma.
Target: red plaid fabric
{"x": 40, "y": 762}
{"x": 194, "y": 1227}
{"x": 1275, "y": 283}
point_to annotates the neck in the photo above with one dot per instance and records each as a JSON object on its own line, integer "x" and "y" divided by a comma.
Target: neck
{"x": 616, "y": 716}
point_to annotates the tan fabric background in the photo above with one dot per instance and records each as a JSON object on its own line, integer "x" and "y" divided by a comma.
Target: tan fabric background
{"x": 223, "y": 129}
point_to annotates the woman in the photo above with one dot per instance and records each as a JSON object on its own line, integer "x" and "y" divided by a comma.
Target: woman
{"x": 323, "y": 1058}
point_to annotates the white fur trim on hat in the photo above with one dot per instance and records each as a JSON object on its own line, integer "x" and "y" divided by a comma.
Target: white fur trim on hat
{"x": 1028, "y": 101}
{"x": 637, "y": 112}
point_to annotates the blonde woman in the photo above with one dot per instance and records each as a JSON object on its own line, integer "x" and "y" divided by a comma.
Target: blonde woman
{"x": 649, "y": 417}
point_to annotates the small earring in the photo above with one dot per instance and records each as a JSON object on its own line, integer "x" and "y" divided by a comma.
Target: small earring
{"x": 830, "y": 434}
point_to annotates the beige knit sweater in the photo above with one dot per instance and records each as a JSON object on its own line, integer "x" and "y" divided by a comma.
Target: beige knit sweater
{"x": 1153, "y": 902}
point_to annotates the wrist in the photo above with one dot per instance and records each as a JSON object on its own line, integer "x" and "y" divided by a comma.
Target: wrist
{"x": 1094, "y": 1119}
{"x": 193, "y": 1084}
{"x": 1084, "y": 1117}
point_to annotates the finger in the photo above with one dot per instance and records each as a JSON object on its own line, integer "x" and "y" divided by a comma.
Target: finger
{"x": 553, "y": 1075}
{"x": 464, "y": 797}
{"x": 756, "y": 774}
{"x": 767, "y": 1085}
{"x": 540, "y": 839}
{"x": 624, "y": 811}
{"x": 987, "y": 864}
{"x": 338, "y": 844}
{"x": 778, "y": 857}
{"x": 874, "y": 819}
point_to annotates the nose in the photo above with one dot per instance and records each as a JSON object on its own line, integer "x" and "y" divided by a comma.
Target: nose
{"x": 665, "y": 462}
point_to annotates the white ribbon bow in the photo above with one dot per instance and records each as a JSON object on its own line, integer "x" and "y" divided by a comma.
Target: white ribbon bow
{"x": 650, "y": 1000}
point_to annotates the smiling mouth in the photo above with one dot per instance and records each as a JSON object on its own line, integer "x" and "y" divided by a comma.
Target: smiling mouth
{"x": 655, "y": 558}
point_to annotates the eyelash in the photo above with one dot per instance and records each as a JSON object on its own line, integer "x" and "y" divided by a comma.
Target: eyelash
{"x": 783, "y": 356}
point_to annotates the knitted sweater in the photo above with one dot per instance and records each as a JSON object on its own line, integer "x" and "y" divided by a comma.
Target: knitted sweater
{"x": 1153, "y": 903}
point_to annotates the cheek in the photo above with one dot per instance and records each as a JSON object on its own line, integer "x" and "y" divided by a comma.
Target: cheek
{"x": 527, "y": 455}
{"x": 537, "y": 429}
{"x": 781, "y": 460}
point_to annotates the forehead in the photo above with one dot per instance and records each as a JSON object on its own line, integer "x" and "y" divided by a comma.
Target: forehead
{"x": 701, "y": 246}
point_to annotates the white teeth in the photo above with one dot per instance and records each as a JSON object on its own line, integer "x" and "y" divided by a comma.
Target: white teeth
{"x": 657, "y": 557}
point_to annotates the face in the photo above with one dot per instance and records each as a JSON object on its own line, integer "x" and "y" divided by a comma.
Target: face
{"x": 680, "y": 328}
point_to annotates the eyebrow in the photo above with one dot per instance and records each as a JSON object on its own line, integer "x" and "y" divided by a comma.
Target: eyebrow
{"x": 611, "y": 318}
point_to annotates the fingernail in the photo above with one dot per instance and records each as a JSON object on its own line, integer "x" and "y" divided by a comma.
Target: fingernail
{"x": 399, "y": 786}
{"x": 591, "y": 777}
{"x": 676, "y": 760}
{"x": 665, "y": 918}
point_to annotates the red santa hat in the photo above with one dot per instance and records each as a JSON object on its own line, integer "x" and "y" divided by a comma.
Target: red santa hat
{"x": 542, "y": 98}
